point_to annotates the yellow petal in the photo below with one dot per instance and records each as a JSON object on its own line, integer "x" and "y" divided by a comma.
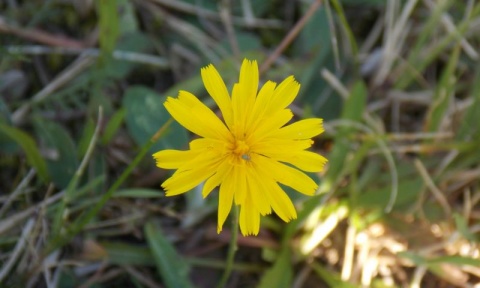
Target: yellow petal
{"x": 249, "y": 81}
{"x": 217, "y": 178}
{"x": 218, "y": 91}
{"x": 286, "y": 175}
{"x": 202, "y": 144}
{"x": 244, "y": 94}
{"x": 240, "y": 182}
{"x": 195, "y": 116}
{"x": 191, "y": 174}
{"x": 225, "y": 200}
{"x": 239, "y": 109}
{"x": 183, "y": 181}
{"x": 261, "y": 103}
{"x": 173, "y": 159}
{"x": 281, "y": 204}
{"x": 284, "y": 94}
{"x": 275, "y": 147}
{"x": 269, "y": 125}
{"x": 305, "y": 160}
{"x": 303, "y": 129}
{"x": 249, "y": 218}
{"x": 258, "y": 190}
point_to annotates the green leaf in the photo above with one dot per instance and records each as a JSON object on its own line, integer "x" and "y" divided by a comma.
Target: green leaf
{"x": 456, "y": 260}
{"x": 139, "y": 193}
{"x": 127, "y": 254}
{"x": 171, "y": 266}
{"x": 87, "y": 134}
{"x": 443, "y": 93}
{"x": 29, "y": 147}
{"x": 246, "y": 42}
{"x": 330, "y": 277}
{"x": 109, "y": 25}
{"x": 468, "y": 129}
{"x": 462, "y": 227}
{"x": 432, "y": 262}
{"x": 416, "y": 58}
{"x": 113, "y": 125}
{"x": 146, "y": 114}
{"x": 352, "y": 111}
{"x": 64, "y": 162}
{"x": 415, "y": 258}
{"x": 280, "y": 274}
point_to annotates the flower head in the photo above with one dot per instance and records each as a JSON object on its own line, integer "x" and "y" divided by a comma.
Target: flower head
{"x": 249, "y": 153}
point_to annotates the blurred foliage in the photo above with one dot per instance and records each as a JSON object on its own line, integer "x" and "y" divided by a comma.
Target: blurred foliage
{"x": 397, "y": 83}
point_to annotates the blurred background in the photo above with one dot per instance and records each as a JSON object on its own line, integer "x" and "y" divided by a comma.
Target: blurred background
{"x": 82, "y": 87}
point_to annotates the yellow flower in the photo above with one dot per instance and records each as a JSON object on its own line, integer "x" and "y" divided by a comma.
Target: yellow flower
{"x": 248, "y": 153}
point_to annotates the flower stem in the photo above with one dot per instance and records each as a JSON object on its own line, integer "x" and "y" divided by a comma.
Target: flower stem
{"x": 232, "y": 248}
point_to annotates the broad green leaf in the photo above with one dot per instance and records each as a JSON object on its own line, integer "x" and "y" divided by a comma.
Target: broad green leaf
{"x": 145, "y": 114}
{"x": 29, "y": 147}
{"x": 171, "y": 266}
{"x": 138, "y": 193}
{"x": 281, "y": 273}
{"x": 63, "y": 162}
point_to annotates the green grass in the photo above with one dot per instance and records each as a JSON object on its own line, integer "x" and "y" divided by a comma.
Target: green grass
{"x": 397, "y": 83}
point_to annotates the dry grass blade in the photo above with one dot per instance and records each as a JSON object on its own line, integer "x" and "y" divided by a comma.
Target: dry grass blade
{"x": 15, "y": 254}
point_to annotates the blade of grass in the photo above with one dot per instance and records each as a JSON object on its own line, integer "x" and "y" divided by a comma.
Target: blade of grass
{"x": 443, "y": 93}
{"x": 83, "y": 220}
{"x": 62, "y": 212}
{"x": 343, "y": 20}
{"x": 468, "y": 129}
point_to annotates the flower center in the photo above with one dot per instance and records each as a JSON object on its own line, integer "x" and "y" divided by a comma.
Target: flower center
{"x": 242, "y": 150}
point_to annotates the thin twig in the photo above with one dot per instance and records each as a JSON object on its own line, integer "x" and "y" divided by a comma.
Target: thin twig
{"x": 145, "y": 280}
{"x": 193, "y": 9}
{"x": 39, "y": 36}
{"x": 225, "y": 13}
{"x": 20, "y": 188}
{"x": 60, "y": 240}
{"x": 18, "y": 249}
{"x": 290, "y": 36}
{"x": 12, "y": 221}
{"x": 130, "y": 56}
{"x": 335, "y": 84}
{"x": 66, "y": 76}
{"x": 435, "y": 191}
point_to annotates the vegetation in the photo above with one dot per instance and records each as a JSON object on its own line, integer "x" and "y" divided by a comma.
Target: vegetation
{"x": 83, "y": 84}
